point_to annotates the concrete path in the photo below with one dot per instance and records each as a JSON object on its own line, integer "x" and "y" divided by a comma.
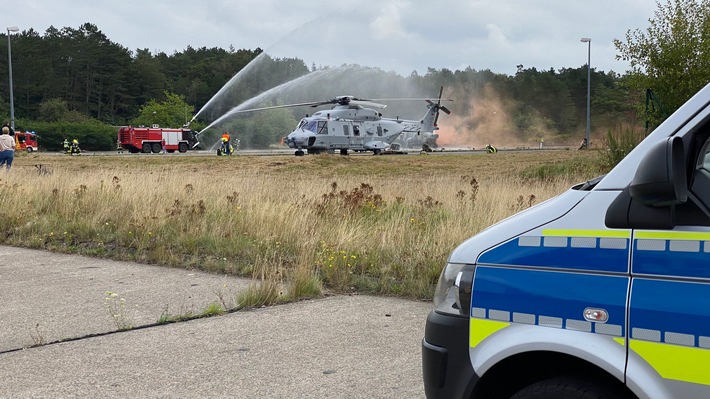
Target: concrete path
{"x": 335, "y": 347}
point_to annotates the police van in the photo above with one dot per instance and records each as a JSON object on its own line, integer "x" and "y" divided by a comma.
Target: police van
{"x": 600, "y": 292}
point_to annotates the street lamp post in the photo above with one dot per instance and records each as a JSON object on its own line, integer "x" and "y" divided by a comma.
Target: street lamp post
{"x": 9, "y": 64}
{"x": 589, "y": 84}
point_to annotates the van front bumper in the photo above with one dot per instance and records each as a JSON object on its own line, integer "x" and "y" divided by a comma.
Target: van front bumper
{"x": 446, "y": 366}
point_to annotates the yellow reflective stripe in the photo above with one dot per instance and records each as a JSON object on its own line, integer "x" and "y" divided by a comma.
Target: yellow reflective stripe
{"x": 672, "y": 235}
{"x": 620, "y": 340}
{"x": 681, "y": 363}
{"x": 481, "y": 329}
{"x": 587, "y": 233}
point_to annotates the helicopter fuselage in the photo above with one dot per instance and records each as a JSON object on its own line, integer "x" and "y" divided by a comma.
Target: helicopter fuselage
{"x": 345, "y": 127}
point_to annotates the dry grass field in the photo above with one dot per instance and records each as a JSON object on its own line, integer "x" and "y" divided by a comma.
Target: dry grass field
{"x": 304, "y": 225}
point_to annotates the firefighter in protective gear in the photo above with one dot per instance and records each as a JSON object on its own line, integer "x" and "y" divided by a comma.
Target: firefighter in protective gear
{"x": 226, "y": 145}
{"x": 66, "y": 146}
{"x": 490, "y": 149}
{"x": 75, "y": 147}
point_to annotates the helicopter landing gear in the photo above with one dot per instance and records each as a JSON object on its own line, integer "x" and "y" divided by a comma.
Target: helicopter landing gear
{"x": 377, "y": 152}
{"x": 344, "y": 151}
{"x": 299, "y": 153}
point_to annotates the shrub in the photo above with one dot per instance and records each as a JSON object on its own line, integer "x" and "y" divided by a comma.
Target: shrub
{"x": 618, "y": 145}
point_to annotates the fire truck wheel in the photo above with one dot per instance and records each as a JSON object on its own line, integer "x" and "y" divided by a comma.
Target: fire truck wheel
{"x": 29, "y": 149}
{"x": 182, "y": 147}
{"x": 157, "y": 148}
{"x": 146, "y": 148}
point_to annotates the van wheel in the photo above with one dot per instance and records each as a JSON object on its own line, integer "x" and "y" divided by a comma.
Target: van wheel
{"x": 566, "y": 388}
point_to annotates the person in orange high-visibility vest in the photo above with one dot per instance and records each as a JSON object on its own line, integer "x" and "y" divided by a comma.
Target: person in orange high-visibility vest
{"x": 226, "y": 144}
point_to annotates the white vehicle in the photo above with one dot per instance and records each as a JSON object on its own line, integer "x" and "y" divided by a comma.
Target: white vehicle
{"x": 600, "y": 292}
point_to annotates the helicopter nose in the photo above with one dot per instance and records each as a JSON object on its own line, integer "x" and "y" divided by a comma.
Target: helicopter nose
{"x": 299, "y": 138}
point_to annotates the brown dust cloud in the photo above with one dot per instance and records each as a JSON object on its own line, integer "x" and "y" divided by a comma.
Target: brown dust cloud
{"x": 487, "y": 121}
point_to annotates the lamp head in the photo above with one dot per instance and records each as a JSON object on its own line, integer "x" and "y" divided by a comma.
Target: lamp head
{"x": 585, "y": 40}
{"x": 12, "y": 29}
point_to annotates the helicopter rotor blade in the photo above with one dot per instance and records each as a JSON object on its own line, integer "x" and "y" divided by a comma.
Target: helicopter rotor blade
{"x": 344, "y": 100}
{"x": 368, "y": 103}
{"x": 427, "y": 99}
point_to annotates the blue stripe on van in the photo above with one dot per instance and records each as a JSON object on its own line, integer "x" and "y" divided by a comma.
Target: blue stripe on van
{"x": 670, "y": 258}
{"x": 548, "y": 294}
{"x": 597, "y": 258}
{"x": 679, "y": 307}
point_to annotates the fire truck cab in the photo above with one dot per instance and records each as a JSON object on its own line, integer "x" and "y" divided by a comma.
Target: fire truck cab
{"x": 26, "y": 141}
{"x": 152, "y": 139}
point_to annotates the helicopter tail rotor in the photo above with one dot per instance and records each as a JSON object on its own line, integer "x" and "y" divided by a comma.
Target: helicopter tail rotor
{"x": 438, "y": 106}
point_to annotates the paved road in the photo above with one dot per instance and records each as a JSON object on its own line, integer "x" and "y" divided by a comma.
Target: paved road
{"x": 334, "y": 347}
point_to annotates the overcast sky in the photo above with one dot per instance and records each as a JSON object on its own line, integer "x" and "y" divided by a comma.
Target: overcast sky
{"x": 394, "y": 35}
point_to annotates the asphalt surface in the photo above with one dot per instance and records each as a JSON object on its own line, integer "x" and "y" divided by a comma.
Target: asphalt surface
{"x": 333, "y": 347}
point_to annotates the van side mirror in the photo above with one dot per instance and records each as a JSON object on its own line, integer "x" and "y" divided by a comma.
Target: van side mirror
{"x": 659, "y": 184}
{"x": 661, "y": 178}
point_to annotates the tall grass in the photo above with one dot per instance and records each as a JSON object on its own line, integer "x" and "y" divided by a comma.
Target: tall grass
{"x": 355, "y": 231}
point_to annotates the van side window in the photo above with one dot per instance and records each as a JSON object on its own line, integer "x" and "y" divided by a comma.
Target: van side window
{"x": 696, "y": 211}
{"x": 704, "y": 159}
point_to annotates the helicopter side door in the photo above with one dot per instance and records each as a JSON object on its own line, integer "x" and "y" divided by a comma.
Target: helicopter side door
{"x": 339, "y": 135}
{"x": 356, "y": 140}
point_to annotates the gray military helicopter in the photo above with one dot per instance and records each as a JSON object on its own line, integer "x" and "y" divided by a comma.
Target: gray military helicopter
{"x": 353, "y": 125}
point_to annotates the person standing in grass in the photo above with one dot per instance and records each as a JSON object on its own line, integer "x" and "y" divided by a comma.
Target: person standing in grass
{"x": 7, "y": 148}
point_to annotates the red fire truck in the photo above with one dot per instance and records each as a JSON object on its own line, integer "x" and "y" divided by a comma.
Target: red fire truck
{"x": 26, "y": 141}
{"x": 151, "y": 139}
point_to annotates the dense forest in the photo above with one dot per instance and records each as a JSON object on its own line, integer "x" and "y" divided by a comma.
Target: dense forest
{"x": 78, "y": 81}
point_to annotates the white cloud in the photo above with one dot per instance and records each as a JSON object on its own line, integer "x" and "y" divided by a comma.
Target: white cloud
{"x": 388, "y": 24}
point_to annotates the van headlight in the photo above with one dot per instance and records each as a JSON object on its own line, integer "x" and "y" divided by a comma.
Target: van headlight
{"x": 453, "y": 292}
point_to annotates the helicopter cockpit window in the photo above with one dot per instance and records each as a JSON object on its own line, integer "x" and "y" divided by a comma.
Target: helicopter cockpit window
{"x": 301, "y": 123}
{"x": 322, "y": 127}
{"x": 310, "y": 126}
